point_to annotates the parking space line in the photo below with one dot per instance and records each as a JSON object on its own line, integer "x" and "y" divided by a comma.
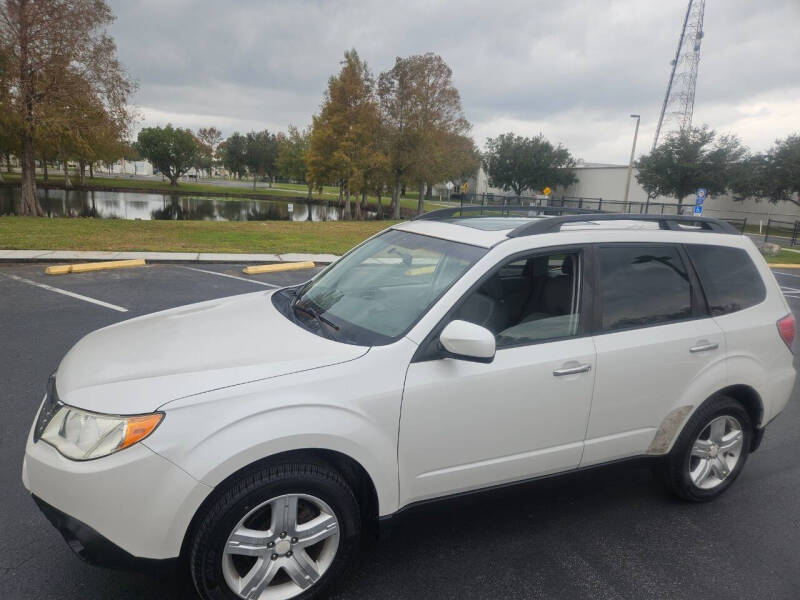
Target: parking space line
{"x": 789, "y": 274}
{"x": 272, "y": 285}
{"x": 44, "y": 286}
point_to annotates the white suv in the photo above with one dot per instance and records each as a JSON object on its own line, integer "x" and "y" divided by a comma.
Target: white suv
{"x": 256, "y": 436}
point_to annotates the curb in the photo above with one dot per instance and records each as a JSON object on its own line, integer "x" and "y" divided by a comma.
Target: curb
{"x": 783, "y": 265}
{"x": 61, "y": 256}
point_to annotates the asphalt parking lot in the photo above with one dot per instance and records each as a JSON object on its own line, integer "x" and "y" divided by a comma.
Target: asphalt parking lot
{"x": 610, "y": 533}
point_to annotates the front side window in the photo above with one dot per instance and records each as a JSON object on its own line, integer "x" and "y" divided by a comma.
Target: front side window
{"x": 376, "y": 293}
{"x": 528, "y": 300}
{"x": 642, "y": 286}
{"x": 728, "y": 276}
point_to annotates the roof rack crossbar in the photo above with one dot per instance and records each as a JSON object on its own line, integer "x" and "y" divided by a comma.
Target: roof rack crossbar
{"x": 504, "y": 210}
{"x": 671, "y": 222}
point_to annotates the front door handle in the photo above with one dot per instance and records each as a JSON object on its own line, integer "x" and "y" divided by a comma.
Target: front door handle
{"x": 572, "y": 370}
{"x": 703, "y": 346}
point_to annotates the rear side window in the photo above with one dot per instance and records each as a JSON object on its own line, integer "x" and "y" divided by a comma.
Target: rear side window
{"x": 728, "y": 276}
{"x": 642, "y": 285}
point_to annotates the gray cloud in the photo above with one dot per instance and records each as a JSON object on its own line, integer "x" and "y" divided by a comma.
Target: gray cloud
{"x": 573, "y": 69}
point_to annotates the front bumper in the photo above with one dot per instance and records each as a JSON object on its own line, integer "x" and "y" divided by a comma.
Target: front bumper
{"x": 95, "y": 549}
{"x": 133, "y": 504}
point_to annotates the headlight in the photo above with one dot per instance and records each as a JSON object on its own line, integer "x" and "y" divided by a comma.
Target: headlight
{"x": 83, "y": 435}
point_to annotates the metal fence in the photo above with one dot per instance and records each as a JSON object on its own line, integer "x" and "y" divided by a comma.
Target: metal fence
{"x": 782, "y": 231}
{"x": 587, "y": 204}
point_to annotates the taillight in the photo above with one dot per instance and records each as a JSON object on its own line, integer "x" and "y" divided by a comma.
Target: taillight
{"x": 786, "y": 329}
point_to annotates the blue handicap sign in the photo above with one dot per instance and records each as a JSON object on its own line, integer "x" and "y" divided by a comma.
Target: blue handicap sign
{"x": 701, "y": 195}
{"x": 698, "y": 210}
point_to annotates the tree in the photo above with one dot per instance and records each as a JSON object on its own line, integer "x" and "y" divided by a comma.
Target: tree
{"x": 232, "y": 154}
{"x": 208, "y": 139}
{"x": 293, "y": 156}
{"x": 171, "y": 150}
{"x": 422, "y": 113}
{"x": 261, "y": 154}
{"x": 785, "y": 166}
{"x": 56, "y": 51}
{"x": 459, "y": 161}
{"x": 6, "y": 139}
{"x": 774, "y": 175}
{"x": 688, "y": 160}
{"x": 516, "y": 163}
{"x": 343, "y": 134}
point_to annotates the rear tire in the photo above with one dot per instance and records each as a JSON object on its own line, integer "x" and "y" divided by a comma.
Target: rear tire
{"x": 710, "y": 452}
{"x": 288, "y": 529}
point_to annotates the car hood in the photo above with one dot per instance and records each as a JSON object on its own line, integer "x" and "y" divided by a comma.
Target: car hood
{"x": 135, "y": 366}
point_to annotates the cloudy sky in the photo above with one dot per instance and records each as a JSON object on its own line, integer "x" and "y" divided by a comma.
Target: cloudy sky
{"x": 571, "y": 69}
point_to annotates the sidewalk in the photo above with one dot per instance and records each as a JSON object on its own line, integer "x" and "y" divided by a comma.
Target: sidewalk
{"x": 163, "y": 257}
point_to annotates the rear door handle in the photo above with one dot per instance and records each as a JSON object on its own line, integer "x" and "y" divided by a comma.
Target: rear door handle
{"x": 703, "y": 347}
{"x": 572, "y": 370}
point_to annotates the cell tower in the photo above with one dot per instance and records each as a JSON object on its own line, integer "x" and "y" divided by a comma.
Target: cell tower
{"x": 676, "y": 112}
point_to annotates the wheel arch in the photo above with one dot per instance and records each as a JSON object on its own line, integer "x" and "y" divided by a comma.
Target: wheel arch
{"x": 674, "y": 423}
{"x": 350, "y": 469}
{"x": 749, "y": 398}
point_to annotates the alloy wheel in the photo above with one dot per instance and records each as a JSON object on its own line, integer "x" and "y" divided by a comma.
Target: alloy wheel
{"x": 280, "y": 548}
{"x": 716, "y": 452}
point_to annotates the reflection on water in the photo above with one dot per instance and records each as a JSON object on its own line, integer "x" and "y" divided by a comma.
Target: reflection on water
{"x": 132, "y": 205}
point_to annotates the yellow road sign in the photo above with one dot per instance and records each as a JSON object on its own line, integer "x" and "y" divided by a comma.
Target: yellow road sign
{"x": 546, "y": 191}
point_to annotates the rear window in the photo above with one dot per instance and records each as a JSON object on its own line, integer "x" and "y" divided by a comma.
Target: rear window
{"x": 729, "y": 277}
{"x": 642, "y": 286}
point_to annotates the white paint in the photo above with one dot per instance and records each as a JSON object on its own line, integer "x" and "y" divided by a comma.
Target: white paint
{"x": 466, "y": 424}
{"x": 50, "y": 288}
{"x": 468, "y": 339}
{"x": 137, "y": 365}
{"x": 256, "y": 281}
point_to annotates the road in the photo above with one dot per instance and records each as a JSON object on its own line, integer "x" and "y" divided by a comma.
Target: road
{"x": 610, "y": 533}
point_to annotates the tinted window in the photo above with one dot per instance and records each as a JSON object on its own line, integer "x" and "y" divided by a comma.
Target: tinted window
{"x": 642, "y": 285}
{"x": 729, "y": 278}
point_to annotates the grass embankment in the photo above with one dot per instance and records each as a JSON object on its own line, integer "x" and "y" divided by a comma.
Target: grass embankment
{"x": 222, "y": 188}
{"x": 278, "y": 237}
{"x": 332, "y": 237}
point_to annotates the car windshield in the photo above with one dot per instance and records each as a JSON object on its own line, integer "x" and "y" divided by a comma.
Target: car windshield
{"x": 377, "y": 292}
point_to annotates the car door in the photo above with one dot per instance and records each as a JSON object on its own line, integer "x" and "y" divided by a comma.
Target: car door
{"x": 466, "y": 425}
{"x": 654, "y": 339}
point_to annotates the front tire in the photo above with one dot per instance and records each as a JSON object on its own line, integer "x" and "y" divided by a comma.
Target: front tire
{"x": 280, "y": 533}
{"x": 710, "y": 451}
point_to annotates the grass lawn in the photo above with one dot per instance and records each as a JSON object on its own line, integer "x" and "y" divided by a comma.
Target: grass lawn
{"x": 333, "y": 237}
{"x": 285, "y": 191}
{"x": 785, "y": 257}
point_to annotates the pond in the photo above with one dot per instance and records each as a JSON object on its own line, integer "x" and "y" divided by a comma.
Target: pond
{"x": 148, "y": 206}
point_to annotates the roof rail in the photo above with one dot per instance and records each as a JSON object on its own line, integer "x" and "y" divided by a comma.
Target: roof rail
{"x": 505, "y": 211}
{"x": 671, "y": 222}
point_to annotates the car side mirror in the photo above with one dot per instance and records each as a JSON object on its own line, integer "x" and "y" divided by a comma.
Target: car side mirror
{"x": 468, "y": 341}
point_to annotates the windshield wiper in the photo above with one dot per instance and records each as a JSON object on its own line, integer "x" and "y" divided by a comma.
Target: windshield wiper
{"x": 318, "y": 317}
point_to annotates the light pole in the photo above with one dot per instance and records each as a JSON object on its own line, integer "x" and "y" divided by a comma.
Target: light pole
{"x": 630, "y": 163}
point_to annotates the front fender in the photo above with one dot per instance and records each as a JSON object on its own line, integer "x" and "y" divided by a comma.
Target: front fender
{"x": 241, "y": 442}
{"x": 352, "y": 408}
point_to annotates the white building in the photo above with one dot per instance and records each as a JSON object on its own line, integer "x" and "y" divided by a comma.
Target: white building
{"x": 129, "y": 167}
